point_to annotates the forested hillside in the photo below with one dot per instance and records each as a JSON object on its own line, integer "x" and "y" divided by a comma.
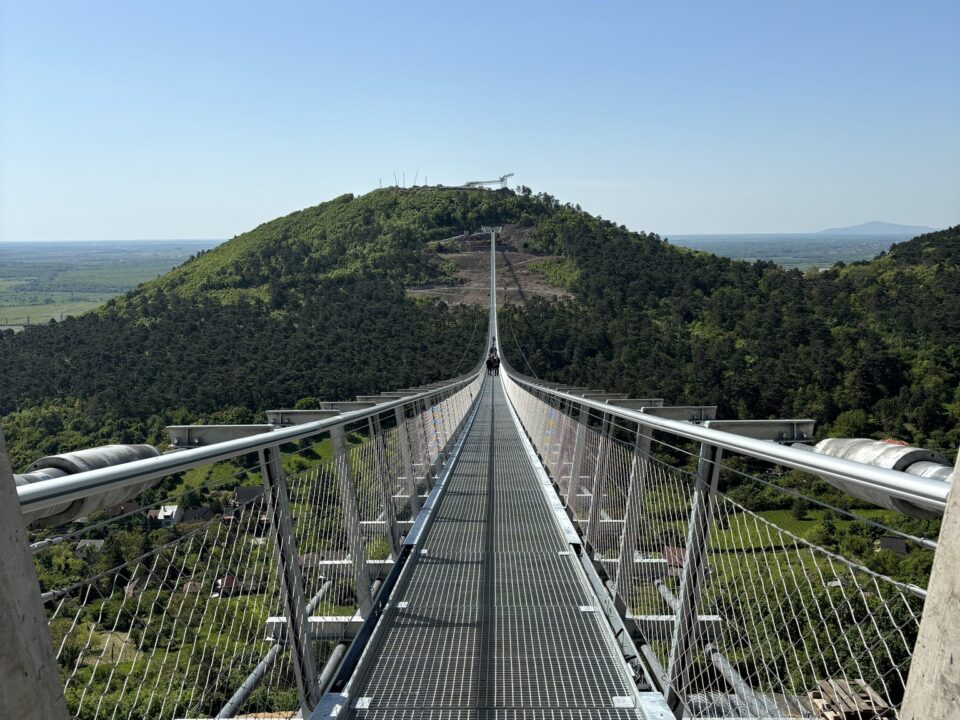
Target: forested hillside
{"x": 870, "y": 348}
{"x": 313, "y": 305}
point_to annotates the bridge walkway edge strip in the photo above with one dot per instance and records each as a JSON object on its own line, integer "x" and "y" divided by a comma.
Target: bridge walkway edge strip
{"x": 337, "y": 697}
{"x": 651, "y": 703}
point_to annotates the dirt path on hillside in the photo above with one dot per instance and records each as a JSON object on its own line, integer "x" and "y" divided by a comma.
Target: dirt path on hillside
{"x": 517, "y": 282}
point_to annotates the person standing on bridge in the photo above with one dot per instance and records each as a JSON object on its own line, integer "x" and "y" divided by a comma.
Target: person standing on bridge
{"x": 490, "y": 365}
{"x": 496, "y": 364}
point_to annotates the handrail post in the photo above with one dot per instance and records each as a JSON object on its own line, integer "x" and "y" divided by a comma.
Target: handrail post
{"x": 693, "y": 577}
{"x": 573, "y": 489}
{"x": 598, "y": 483}
{"x": 410, "y": 482}
{"x": 633, "y": 514}
{"x": 417, "y": 437}
{"x": 438, "y": 433}
{"x": 386, "y": 483}
{"x": 560, "y": 424}
{"x": 428, "y": 462}
{"x": 351, "y": 518}
{"x": 298, "y": 623}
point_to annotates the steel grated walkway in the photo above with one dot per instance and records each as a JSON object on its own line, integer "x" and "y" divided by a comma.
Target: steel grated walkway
{"x": 494, "y": 619}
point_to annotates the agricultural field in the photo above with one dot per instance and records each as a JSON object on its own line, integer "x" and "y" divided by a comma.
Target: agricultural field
{"x": 797, "y": 251}
{"x": 43, "y": 281}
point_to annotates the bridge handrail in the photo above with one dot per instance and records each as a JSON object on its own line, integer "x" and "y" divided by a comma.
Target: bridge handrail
{"x": 47, "y": 493}
{"x": 925, "y": 492}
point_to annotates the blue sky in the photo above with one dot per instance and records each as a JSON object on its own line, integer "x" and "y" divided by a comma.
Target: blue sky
{"x": 202, "y": 119}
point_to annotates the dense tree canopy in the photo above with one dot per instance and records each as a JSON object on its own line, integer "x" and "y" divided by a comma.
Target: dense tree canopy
{"x": 314, "y": 305}
{"x": 869, "y": 348}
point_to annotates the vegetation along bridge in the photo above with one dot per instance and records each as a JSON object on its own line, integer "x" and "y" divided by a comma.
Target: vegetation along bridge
{"x": 492, "y": 546}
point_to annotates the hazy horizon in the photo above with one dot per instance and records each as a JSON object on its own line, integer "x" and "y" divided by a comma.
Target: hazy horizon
{"x": 758, "y": 235}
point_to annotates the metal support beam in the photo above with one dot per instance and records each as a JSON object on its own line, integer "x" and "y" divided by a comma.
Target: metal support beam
{"x": 333, "y": 663}
{"x": 780, "y": 431}
{"x": 690, "y": 413}
{"x": 420, "y": 427}
{"x": 232, "y": 705}
{"x": 440, "y": 424}
{"x": 604, "y": 396}
{"x": 693, "y": 576}
{"x": 637, "y": 403}
{"x": 298, "y": 638}
{"x": 345, "y": 406}
{"x": 643, "y": 568}
{"x": 188, "y": 436}
{"x": 707, "y": 627}
{"x": 321, "y": 627}
{"x": 351, "y": 518}
{"x": 263, "y": 667}
{"x": 285, "y": 418}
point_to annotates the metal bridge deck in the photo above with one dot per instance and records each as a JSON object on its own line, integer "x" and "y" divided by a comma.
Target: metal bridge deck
{"x": 494, "y": 619}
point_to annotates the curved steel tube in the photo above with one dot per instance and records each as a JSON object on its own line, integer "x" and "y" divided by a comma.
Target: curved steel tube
{"x": 56, "y": 491}
{"x": 925, "y": 492}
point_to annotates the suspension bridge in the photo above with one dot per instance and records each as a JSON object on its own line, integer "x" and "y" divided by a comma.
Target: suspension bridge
{"x": 492, "y": 546}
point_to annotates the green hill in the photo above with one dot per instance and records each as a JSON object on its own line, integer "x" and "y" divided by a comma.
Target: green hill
{"x": 314, "y": 305}
{"x": 870, "y": 348}
{"x": 311, "y": 305}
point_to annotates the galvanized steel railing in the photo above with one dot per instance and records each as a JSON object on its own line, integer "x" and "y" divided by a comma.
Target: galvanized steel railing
{"x": 736, "y": 615}
{"x": 251, "y": 607}
{"x": 244, "y": 597}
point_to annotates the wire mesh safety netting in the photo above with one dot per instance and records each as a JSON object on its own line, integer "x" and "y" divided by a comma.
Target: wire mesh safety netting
{"x": 173, "y": 606}
{"x": 743, "y": 612}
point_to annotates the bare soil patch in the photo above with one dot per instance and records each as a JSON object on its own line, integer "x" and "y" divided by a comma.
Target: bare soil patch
{"x": 516, "y": 280}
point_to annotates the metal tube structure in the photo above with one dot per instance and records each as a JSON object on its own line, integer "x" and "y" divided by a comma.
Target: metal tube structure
{"x": 257, "y": 674}
{"x": 298, "y": 624}
{"x": 757, "y": 706}
{"x": 333, "y": 662}
{"x": 692, "y": 578}
{"x": 925, "y": 492}
{"x": 57, "y": 491}
{"x": 351, "y": 519}
{"x": 249, "y": 685}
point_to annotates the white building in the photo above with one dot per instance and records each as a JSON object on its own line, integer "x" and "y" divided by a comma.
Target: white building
{"x": 169, "y": 515}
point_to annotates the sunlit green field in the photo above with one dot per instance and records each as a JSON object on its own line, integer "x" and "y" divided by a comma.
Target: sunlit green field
{"x": 43, "y": 281}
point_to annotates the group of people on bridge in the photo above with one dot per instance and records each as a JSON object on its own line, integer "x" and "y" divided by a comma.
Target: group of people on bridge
{"x": 493, "y": 362}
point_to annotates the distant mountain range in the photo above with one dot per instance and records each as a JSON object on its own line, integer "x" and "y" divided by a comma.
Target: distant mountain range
{"x": 876, "y": 227}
